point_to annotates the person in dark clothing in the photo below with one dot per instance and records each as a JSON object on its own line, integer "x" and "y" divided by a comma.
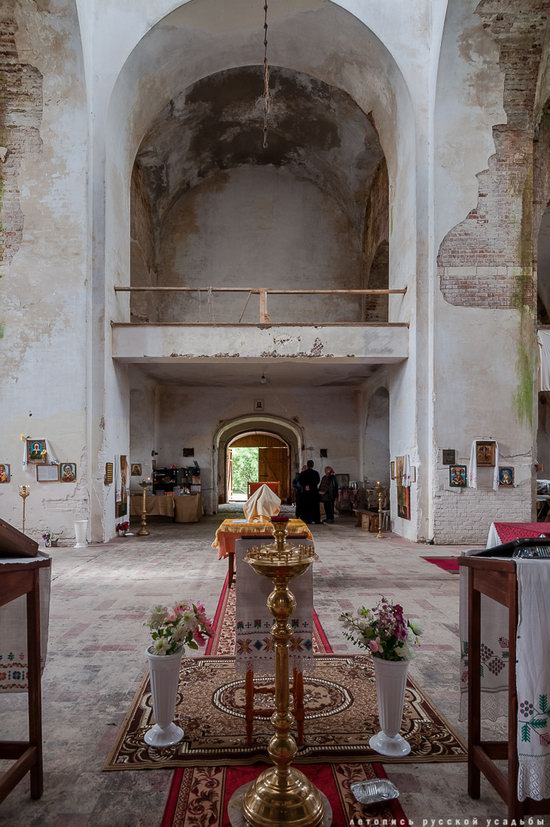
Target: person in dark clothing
{"x": 309, "y": 499}
{"x": 328, "y": 493}
{"x": 297, "y": 486}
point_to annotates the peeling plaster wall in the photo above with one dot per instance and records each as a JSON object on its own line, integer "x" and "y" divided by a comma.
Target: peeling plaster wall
{"x": 143, "y": 251}
{"x": 258, "y": 226}
{"x": 376, "y": 245}
{"x": 483, "y": 374}
{"x": 143, "y": 424}
{"x": 377, "y": 438}
{"x": 43, "y": 285}
{"x": 189, "y": 417}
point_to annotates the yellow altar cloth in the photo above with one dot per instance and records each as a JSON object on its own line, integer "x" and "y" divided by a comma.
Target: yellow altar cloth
{"x": 232, "y": 530}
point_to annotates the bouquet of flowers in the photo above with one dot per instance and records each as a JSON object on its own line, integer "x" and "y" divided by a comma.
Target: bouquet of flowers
{"x": 122, "y": 528}
{"x": 384, "y": 630}
{"x": 185, "y": 624}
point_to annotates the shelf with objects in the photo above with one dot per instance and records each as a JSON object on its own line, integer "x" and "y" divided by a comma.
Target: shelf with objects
{"x": 175, "y": 494}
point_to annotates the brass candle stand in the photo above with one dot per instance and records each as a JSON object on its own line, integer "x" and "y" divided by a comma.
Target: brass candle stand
{"x": 143, "y": 531}
{"x": 24, "y": 491}
{"x": 281, "y": 795}
{"x": 380, "y": 495}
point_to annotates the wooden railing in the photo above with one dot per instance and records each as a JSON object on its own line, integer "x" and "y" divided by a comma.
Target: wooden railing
{"x": 264, "y": 292}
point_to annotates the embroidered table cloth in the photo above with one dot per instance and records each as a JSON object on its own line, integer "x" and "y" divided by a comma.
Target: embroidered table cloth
{"x": 253, "y": 641}
{"x": 532, "y": 668}
{"x": 231, "y": 530}
{"x": 14, "y": 660}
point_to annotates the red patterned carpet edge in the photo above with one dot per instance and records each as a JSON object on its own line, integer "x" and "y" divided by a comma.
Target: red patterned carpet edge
{"x": 200, "y": 795}
{"x": 449, "y": 564}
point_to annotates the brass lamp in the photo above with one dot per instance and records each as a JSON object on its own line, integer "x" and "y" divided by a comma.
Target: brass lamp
{"x": 24, "y": 491}
{"x": 281, "y": 795}
{"x": 143, "y": 531}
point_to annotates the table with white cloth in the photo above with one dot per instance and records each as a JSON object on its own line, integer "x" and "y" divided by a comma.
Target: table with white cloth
{"x": 254, "y": 645}
{"x": 253, "y": 642}
{"x": 514, "y": 625}
{"x": 24, "y": 614}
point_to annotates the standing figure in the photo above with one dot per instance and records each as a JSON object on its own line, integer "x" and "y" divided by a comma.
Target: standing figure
{"x": 309, "y": 499}
{"x": 297, "y": 487}
{"x": 328, "y": 493}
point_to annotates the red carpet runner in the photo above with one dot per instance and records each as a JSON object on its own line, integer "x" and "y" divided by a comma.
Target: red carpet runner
{"x": 199, "y": 795}
{"x": 445, "y": 563}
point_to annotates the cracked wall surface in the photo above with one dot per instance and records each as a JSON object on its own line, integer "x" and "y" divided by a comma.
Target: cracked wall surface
{"x": 43, "y": 285}
{"x": 481, "y": 262}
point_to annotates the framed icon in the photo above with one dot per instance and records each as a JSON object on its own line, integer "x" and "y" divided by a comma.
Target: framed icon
{"x": 5, "y": 472}
{"x": 37, "y": 451}
{"x": 135, "y": 469}
{"x": 68, "y": 472}
{"x": 506, "y": 476}
{"x": 458, "y": 476}
{"x": 485, "y": 454}
{"x": 47, "y": 473}
{"x": 449, "y": 456}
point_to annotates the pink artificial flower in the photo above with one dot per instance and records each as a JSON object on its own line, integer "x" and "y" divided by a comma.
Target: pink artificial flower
{"x": 374, "y": 646}
{"x": 171, "y": 617}
{"x": 200, "y": 639}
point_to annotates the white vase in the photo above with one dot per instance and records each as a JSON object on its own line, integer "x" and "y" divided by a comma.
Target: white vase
{"x": 80, "y": 533}
{"x": 391, "y": 679}
{"x": 164, "y": 671}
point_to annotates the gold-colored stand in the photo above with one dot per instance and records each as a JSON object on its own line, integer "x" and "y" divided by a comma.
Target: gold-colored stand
{"x": 24, "y": 491}
{"x": 281, "y": 795}
{"x": 380, "y": 495}
{"x": 143, "y": 531}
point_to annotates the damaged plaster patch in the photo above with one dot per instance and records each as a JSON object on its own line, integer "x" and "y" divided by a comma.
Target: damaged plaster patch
{"x": 20, "y": 120}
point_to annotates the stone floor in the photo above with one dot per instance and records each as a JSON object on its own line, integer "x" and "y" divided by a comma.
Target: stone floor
{"x": 100, "y": 597}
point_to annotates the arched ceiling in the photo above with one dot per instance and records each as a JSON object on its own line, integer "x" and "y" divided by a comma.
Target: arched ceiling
{"x": 315, "y": 130}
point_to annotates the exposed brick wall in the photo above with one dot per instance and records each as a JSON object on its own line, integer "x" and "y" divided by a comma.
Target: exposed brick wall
{"x": 485, "y": 261}
{"x": 460, "y": 514}
{"x": 375, "y": 245}
{"x": 20, "y": 118}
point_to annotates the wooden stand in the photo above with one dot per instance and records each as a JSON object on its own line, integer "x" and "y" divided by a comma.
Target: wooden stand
{"x": 17, "y": 579}
{"x": 495, "y": 579}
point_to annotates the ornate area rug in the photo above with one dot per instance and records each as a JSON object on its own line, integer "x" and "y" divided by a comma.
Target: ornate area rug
{"x": 341, "y": 716}
{"x": 199, "y": 795}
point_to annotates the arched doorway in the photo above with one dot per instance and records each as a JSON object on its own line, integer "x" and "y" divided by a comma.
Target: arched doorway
{"x": 257, "y": 456}
{"x": 227, "y": 435}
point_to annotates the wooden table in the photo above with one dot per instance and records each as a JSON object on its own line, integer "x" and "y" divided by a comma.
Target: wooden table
{"x": 20, "y": 577}
{"x": 496, "y": 579}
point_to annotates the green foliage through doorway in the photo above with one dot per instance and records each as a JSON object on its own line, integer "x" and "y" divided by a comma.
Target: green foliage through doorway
{"x": 245, "y": 462}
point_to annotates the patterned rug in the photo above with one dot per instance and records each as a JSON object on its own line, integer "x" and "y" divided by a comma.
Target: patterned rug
{"x": 199, "y": 795}
{"x": 340, "y": 702}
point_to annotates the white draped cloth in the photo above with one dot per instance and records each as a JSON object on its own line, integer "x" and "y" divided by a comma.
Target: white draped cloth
{"x": 494, "y": 652}
{"x": 533, "y": 679}
{"x": 473, "y": 463}
{"x": 14, "y": 661}
{"x": 262, "y": 505}
{"x": 532, "y": 670}
{"x": 253, "y": 642}
{"x": 544, "y": 352}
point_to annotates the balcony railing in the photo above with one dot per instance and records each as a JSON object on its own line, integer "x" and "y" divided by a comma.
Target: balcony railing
{"x": 264, "y": 293}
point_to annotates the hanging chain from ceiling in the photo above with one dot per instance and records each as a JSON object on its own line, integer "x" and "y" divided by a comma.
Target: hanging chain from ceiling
{"x": 267, "y": 96}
